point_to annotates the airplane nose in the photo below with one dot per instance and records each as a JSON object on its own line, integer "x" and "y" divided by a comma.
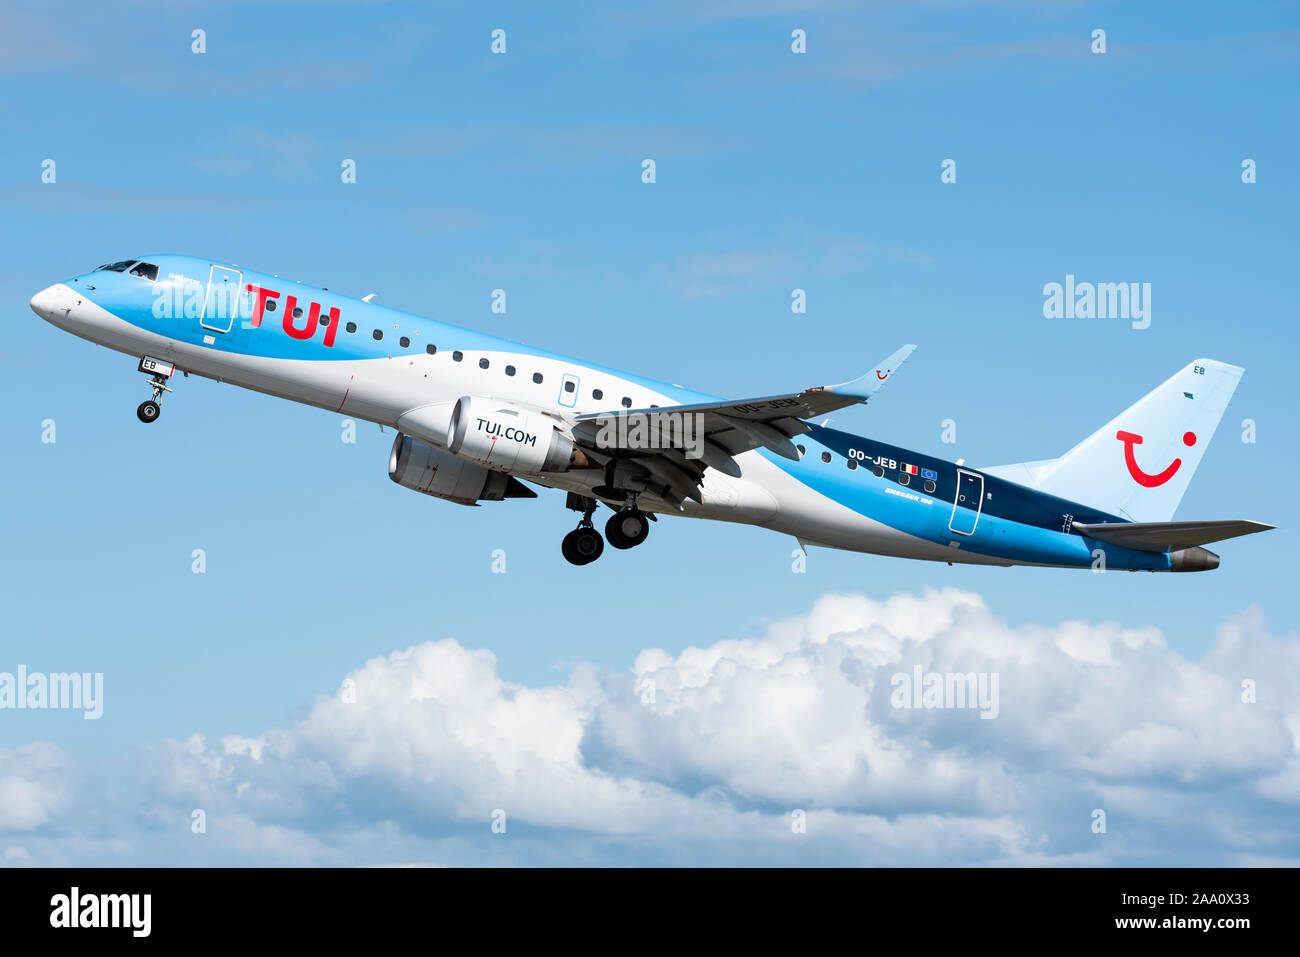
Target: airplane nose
{"x": 51, "y": 299}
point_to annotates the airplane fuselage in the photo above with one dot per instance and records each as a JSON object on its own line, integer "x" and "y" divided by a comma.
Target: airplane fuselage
{"x": 367, "y": 361}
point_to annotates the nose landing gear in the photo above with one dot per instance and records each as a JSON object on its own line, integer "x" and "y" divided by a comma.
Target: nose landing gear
{"x": 149, "y": 410}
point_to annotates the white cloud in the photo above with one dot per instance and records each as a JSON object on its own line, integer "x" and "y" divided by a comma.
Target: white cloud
{"x": 33, "y": 789}
{"x": 737, "y": 734}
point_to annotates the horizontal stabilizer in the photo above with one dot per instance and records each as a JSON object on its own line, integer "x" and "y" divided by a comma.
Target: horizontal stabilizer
{"x": 1168, "y": 536}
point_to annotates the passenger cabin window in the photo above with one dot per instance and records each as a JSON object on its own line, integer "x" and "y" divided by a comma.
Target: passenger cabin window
{"x": 297, "y": 312}
{"x": 377, "y": 335}
{"x": 627, "y": 402}
{"x": 431, "y": 349}
{"x": 597, "y": 394}
{"x": 404, "y": 342}
{"x": 457, "y": 356}
{"x": 537, "y": 377}
{"x": 482, "y": 363}
{"x": 351, "y": 326}
{"x": 929, "y": 485}
{"x": 146, "y": 271}
{"x": 510, "y": 370}
{"x": 569, "y": 385}
{"x": 826, "y": 456}
{"x": 271, "y": 305}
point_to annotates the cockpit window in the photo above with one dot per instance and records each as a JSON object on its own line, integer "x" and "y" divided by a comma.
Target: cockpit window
{"x": 116, "y": 267}
{"x": 146, "y": 271}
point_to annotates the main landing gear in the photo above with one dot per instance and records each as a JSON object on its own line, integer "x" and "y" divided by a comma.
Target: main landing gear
{"x": 583, "y": 545}
{"x": 626, "y": 528}
{"x": 149, "y": 410}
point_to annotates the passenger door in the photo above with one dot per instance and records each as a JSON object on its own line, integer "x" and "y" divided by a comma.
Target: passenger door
{"x": 221, "y": 303}
{"x": 967, "y": 503}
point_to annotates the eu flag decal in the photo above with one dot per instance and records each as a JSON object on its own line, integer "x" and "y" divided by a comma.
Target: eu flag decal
{"x": 930, "y": 474}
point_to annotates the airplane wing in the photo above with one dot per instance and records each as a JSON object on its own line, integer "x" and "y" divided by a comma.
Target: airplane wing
{"x": 728, "y": 428}
{"x": 1167, "y": 536}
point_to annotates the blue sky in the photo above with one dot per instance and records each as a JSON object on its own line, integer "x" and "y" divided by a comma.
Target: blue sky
{"x": 775, "y": 171}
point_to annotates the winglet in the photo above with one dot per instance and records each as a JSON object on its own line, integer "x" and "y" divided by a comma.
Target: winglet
{"x": 864, "y": 387}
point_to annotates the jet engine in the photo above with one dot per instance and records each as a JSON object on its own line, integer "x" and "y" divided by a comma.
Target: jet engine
{"x": 413, "y": 464}
{"x": 510, "y": 438}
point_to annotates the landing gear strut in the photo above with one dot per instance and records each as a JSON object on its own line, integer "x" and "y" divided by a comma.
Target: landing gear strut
{"x": 583, "y": 545}
{"x": 149, "y": 410}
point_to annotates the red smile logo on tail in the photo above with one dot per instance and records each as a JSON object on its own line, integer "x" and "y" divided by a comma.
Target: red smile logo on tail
{"x": 885, "y": 376}
{"x": 1145, "y": 479}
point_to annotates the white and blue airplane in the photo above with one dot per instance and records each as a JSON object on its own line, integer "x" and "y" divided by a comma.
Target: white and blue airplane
{"x": 477, "y": 417}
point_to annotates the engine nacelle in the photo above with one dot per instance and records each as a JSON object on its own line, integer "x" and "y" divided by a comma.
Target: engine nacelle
{"x": 510, "y": 438}
{"x": 415, "y": 465}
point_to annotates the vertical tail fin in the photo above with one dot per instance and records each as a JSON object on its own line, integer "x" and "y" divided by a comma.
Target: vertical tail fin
{"x": 1140, "y": 463}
